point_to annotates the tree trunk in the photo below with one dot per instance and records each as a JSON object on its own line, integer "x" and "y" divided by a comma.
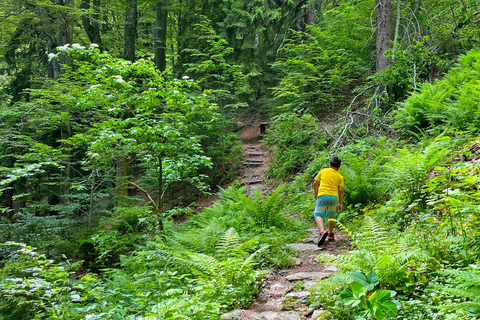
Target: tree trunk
{"x": 310, "y": 13}
{"x": 384, "y": 14}
{"x": 90, "y": 22}
{"x": 160, "y": 35}
{"x": 130, "y": 35}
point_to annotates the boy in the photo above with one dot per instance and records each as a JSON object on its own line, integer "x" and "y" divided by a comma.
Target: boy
{"x": 328, "y": 188}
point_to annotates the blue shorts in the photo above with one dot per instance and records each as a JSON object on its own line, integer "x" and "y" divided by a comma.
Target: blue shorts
{"x": 326, "y": 207}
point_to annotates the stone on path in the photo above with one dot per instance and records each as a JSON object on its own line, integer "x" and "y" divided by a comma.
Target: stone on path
{"x": 296, "y": 300}
{"x": 308, "y": 276}
{"x": 298, "y": 261}
{"x": 282, "y": 315}
{"x": 233, "y": 315}
{"x": 310, "y": 240}
{"x": 308, "y": 312}
{"x": 309, "y": 284}
{"x": 318, "y": 315}
{"x": 302, "y": 247}
{"x": 299, "y": 295}
{"x": 331, "y": 269}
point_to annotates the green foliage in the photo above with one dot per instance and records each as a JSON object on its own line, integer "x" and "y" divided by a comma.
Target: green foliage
{"x": 447, "y": 103}
{"x": 411, "y": 66}
{"x": 409, "y": 171}
{"x": 228, "y": 83}
{"x": 319, "y": 67}
{"x": 370, "y": 305}
{"x": 294, "y": 140}
{"x": 382, "y": 251}
{"x": 38, "y": 285}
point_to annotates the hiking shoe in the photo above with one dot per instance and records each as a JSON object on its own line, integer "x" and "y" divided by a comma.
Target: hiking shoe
{"x": 331, "y": 237}
{"x": 322, "y": 237}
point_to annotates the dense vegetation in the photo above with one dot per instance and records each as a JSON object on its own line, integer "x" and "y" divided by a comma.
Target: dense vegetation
{"x": 107, "y": 142}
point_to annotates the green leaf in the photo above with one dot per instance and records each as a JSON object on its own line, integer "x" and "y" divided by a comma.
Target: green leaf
{"x": 359, "y": 277}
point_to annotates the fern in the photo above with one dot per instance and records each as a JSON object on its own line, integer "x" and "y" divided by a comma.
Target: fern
{"x": 228, "y": 245}
{"x": 410, "y": 169}
{"x": 378, "y": 250}
{"x": 465, "y": 285}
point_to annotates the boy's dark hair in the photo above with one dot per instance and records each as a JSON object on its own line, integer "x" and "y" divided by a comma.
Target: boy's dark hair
{"x": 335, "y": 162}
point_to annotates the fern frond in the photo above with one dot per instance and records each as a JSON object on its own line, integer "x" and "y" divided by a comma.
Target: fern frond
{"x": 339, "y": 280}
{"x": 206, "y": 265}
{"x": 228, "y": 245}
{"x": 372, "y": 236}
{"x": 249, "y": 261}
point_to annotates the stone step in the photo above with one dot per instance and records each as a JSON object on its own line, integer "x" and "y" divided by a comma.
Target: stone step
{"x": 316, "y": 276}
{"x": 255, "y": 160}
{"x": 255, "y": 154}
{"x": 253, "y": 182}
{"x": 253, "y": 176}
{"x": 302, "y": 247}
{"x": 252, "y": 164}
{"x": 280, "y": 315}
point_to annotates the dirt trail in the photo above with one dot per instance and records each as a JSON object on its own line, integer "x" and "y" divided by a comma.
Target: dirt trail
{"x": 280, "y": 297}
{"x": 255, "y": 160}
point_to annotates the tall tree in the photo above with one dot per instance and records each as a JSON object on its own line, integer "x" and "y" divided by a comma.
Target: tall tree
{"x": 384, "y": 16}
{"x": 130, "y": 35}
{"x": 90, "y": 21}
{"x": 160, "y": 35}
{"x": 310, "y": 12}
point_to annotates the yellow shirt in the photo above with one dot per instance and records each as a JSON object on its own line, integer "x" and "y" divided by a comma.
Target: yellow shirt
{"x": 330, "y": 179}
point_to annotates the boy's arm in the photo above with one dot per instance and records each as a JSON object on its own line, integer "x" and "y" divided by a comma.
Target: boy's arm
{"x": 341, "y": 192}
{"x": 315, "y": 188}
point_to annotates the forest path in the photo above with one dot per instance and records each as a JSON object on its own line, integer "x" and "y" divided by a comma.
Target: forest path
{"x": 255, "y": 160}
{"x": 285, "y": 292}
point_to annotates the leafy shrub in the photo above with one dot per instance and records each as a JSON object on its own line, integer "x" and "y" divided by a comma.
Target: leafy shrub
{"x": 451, "y": 102}
{"x": 319, "y": 67}
{"x": 380, "y": 250}
{"x": 378, "y": 304}
{"x": 32, "y": 285}
{"x": 293, "y": 139}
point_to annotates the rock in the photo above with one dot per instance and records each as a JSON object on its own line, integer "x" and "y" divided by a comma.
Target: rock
{"x": 310, "y": 240}
{"x": 277, "y": 286}
{"x": 308, "y": 275}
{"x": 309, "y": 284}
{"x": 302, "y": 247}
{"x": 296, "y": 300}
{"x": 298, "y": 261}
{"x": 299, "y": 295}
{"x": 233, "y": 315}
{"x": 331, "y": 269}
{"x": 282, "y": 315}
{"x": 329, "y": 249}
{"x": 308, "y": 312}
{"x": 319, "y": 315}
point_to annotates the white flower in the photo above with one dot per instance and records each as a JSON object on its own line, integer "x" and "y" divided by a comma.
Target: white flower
{"x": 51, "y": 55}
{"x": 118, "y": 78}
{"x": 93, "y": 45}
{"x": 185, "y": 77}
{"x": 95, "y": 86}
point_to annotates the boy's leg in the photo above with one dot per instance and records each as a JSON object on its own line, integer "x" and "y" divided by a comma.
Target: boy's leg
{"x": 320, "y": 224}
{"x": 331, "y": 225}
{"x": 321, "y": 215}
